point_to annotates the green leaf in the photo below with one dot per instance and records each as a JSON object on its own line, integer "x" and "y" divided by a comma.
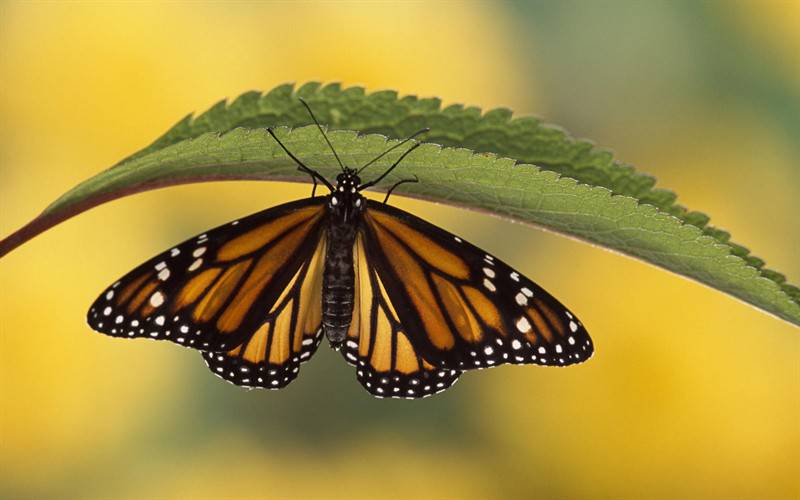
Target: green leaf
{"x": 610, "y": 204}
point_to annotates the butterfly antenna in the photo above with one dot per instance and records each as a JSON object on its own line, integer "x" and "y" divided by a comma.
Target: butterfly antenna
{"x": 313, "y": 173}
{"x": 380, "y": 178}
{"x": 418, "y": 132}
{"x": 322, "y": 132}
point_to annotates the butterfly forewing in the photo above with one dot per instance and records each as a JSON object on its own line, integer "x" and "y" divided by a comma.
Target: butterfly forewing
{"x": 214, "y": 291}
{"x": 387, "y": 363}
{"x": 461, "y": 307}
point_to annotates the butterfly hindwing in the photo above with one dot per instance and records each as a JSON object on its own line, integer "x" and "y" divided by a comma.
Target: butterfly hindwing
{"x": 387, "y": 363}
{"x": 461, "y": 307}
{"x": 213, "y": 292}
{"x": 289, "y": 336}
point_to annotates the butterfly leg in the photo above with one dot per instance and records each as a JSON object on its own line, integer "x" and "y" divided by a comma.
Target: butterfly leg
{"x": 302, "y": 166}
{"x": 314, "y": 189}
{"x": 403, "y": 181}
{"x": 394, "y": 165}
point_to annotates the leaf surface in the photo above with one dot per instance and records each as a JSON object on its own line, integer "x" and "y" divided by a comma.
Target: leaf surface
{"x": 574, "y": 188}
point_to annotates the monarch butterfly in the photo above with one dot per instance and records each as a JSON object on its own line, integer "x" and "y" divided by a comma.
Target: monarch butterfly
{"x": 410, "y": 305}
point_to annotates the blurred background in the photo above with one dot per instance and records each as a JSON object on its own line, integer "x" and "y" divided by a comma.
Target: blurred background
{"x": 691, "y": 394}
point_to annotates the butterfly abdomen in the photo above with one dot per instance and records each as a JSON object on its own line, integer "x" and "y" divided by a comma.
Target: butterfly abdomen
{"x": 338, "y": 282}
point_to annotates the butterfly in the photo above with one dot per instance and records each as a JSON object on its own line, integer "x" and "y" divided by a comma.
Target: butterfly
{"x": 408, "y": 304}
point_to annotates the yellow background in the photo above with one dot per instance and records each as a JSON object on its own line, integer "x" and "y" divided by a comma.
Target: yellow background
{"x": 691, "y": 394}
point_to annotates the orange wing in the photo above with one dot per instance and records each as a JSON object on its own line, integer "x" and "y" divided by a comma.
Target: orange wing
{"x": 387, "y": 363}
{"x": 216, "y": 291}
{"x": 460, "y": 307}
{"x": 270, "y": 358}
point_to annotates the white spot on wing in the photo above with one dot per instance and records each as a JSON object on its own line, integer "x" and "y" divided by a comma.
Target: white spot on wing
{"x": 523, "y": 325}
{"x": 156, "y": 299}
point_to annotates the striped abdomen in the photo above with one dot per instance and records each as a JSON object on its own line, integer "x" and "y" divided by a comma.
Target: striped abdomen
{"x": 338, "y": 283}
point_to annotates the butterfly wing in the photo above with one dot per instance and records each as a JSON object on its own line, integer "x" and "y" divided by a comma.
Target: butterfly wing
{"x": 216, "y": 291}
{"x": 460, "y": 307}
{"x": 270, "y": 358}
{"x": 377, "y": 344}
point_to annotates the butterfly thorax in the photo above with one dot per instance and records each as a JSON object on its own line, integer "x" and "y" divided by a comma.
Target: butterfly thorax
{"x": 345, "y": 203}
{"x": 338, "y": 281}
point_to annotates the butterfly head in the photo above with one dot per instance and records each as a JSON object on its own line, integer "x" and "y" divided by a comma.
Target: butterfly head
{"x": 345, "y": 199}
